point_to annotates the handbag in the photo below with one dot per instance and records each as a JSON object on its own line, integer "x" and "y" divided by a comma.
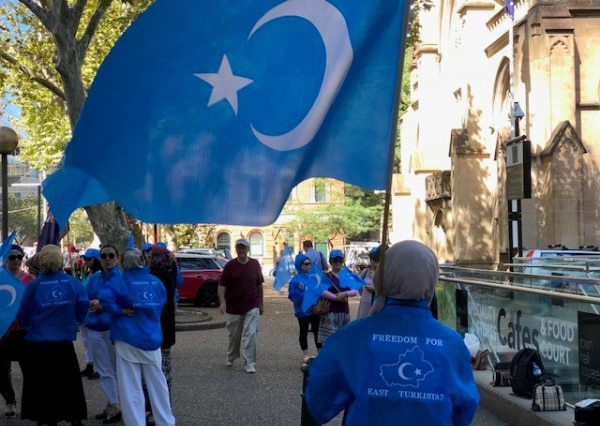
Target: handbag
{"x": 481, "y": 361}
{"x": 548, "y": 396}
{"x": 501, "y": 374}
{"x": 321, "y": 307}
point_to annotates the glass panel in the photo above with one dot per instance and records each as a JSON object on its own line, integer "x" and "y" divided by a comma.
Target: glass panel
{"x": 565, "y": 332}
{"x": 224, "y": 240}
{"x": 256, "y": 244}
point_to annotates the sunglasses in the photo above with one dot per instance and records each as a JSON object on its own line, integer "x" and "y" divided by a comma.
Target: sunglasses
{"x": 306, "y": 263}
{"x": 15, "y": 257}
{"x": 105, "y": 256}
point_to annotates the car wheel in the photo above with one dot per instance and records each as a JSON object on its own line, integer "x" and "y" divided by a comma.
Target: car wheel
{"x": 209, "y": 296}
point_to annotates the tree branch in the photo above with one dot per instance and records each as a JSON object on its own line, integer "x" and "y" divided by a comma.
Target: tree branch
{"x": 90, "y": 30}
{"x": 78, "y": 9}
{"x": 38, "y": 11}
{"x": 33, "y": 76}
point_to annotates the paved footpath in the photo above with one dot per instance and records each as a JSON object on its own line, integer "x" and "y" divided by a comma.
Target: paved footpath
{"x": 206, "y": 392}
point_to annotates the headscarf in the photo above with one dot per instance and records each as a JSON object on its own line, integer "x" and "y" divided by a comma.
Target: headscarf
{"x": 161, "y": 259}
{"x": 410, "y": 272}
{"x": 51, "y": 258}
{"x": 132, "y": 259}
{"x": 300, "y": 258}
{"x": 33, "y": 264}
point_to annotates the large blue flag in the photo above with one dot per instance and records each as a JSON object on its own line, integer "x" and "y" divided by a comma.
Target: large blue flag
{"x": 350, "y": 279}
{"x": 285, "y": 267}
{"x": 317, "y": 283}
{"x": 212, "y": 111}
{"x": 11, "y": 289}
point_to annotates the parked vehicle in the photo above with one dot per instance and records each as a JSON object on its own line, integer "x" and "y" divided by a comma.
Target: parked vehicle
{"x": 225, "y": 253}
{"x": 201, "y": 275}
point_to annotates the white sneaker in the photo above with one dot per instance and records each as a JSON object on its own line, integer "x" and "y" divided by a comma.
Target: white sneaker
{"x": 250, "y": 369}
{"x": 228, "y": 363}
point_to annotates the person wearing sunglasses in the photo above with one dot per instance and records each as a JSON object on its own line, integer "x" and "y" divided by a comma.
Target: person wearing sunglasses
{"x": 14, "y": 263}
{"x": 50, "y": 310}
{"x": 339, "y": 311}
{"x": 306, "y": 320}
{"x": 103, "y": 310}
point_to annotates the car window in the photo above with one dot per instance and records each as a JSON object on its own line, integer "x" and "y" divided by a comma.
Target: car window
{"x": 197, "y": 263}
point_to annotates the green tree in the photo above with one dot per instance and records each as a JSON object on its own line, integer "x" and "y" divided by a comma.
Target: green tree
{"x": 49, "y": 54}
{"x": 357, "y": 217}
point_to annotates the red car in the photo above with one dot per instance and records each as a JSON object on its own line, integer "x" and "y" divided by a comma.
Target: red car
{"x": 201, "y": 275}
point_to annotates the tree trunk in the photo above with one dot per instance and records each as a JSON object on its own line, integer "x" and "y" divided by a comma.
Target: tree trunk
{"x": 109, "y": 223}
{"x": 108, "y": 219}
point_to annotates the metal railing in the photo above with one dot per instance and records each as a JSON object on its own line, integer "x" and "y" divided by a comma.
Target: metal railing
{"x": 507, "y": 311}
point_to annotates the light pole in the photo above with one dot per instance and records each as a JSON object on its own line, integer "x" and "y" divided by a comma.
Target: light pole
{"x": 8, "y": 143}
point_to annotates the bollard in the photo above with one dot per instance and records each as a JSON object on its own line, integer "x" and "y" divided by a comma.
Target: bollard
{"x": 307, "y": 419}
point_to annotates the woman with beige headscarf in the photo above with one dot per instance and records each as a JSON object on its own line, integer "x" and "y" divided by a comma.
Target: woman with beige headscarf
{"x": 50, "y": 310}
{"x": 399, "y": 365}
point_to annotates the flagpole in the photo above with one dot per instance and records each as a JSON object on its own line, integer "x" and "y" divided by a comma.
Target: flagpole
{"x": 510, "y": 8}
{"x": 391, "y": 155}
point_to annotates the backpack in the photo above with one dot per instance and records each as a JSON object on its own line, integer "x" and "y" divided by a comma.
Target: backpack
{"x": 526, "y": 370}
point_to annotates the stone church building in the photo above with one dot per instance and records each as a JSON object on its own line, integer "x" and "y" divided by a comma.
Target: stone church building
{"x": 451, "y": 191}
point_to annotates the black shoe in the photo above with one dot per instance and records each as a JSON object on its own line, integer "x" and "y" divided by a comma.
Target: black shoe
{"x": 94, "y": 376}
{"x": 103, "y": 415}
{"x": 114, "y": 418}
{"x": 89, "y": 369}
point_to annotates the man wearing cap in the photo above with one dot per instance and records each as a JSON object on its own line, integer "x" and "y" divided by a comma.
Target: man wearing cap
{"x": 241, "y": 297}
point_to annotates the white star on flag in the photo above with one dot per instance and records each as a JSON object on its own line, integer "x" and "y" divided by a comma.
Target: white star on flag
{"x": 225, "y": 84}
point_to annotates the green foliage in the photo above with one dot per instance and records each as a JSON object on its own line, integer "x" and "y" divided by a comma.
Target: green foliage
{"x": 22, "y": 217}
{"x": 80, "y": 231}
{"x": 359, "y": 215}
{"x": 29, "y": 79}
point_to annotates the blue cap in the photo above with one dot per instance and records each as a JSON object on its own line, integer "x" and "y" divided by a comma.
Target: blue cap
{"x": 91, "y": 252}
{"x": 336, "y": 253}
{"x": 161, "y": 244}
{"x": 146, "y": 246}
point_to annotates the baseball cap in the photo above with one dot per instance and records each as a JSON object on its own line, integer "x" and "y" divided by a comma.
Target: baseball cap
{"x": 91, "y": 252}
{"x": 336, "y": 253}
{"x": 146, "y": 246}
{"x": 242, "y": 242}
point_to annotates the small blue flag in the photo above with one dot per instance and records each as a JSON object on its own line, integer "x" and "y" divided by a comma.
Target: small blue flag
{"x": 218, "y": 109}
{"x": 285, "y": 267}
{"x": 350, "y": 279}
{"x": 317, "y": 283}
{"x": 11, "y": 289}
{"x": 6, "y": 245}
{"x": 130, "y": 242}
{"x": 509, "y": 5}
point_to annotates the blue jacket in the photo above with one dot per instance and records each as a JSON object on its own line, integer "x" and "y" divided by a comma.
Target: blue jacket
{"x": 294, "y": 293}
{"x": 51, "y": 307}
{"x": 104, "y": 286}
{"x": 147, "y": 295}
{"x": 397, "y": 367}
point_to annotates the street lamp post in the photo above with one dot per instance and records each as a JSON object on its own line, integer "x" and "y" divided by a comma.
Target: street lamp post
{"x": 8, "y": 143}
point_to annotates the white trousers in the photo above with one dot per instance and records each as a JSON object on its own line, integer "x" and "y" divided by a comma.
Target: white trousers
{"x": 103, "y": 352}
{"x": 83, "y": 331}
{"x": 242, "y": 330}
{"x": 132, "y": 395}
